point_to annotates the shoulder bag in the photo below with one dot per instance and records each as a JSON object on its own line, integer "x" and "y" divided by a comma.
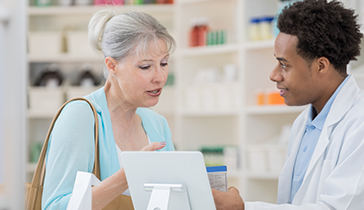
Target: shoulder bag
{"x": 34, "y": 190}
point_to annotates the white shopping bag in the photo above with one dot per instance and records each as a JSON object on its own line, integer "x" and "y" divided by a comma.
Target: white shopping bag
{"x": 81, "y": 198}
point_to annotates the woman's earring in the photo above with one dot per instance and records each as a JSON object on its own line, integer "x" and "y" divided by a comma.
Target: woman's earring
{"x": 113, "y": 75}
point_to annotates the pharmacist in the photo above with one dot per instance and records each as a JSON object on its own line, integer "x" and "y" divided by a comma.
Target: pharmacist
{"x": 325, "y": 161}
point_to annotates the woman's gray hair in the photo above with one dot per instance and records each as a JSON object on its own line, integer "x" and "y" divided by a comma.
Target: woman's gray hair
{"x": 118, "y": 35}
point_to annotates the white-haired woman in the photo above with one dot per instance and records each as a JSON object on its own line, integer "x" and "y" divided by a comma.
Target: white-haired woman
{"x": 136, "y": 49}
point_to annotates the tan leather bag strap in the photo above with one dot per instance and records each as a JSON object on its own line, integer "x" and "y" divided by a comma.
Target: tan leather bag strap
{"x": 38, "y": 178}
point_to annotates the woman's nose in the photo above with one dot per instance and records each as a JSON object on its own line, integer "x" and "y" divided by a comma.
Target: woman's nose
{"x": 160, "y": 75}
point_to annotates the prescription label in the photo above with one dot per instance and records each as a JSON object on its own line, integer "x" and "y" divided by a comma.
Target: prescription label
{"x": 218, "y": 177}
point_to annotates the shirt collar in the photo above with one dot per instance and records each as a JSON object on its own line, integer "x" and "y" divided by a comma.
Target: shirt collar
{"x": 320, "y": 119}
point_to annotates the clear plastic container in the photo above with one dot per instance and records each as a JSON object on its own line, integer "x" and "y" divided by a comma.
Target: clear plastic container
{"x": 253, "y": 31}
{"x": 265, "y": 28}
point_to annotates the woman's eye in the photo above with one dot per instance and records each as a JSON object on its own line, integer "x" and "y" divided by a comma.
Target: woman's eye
{"x": 145, "y": 67}
{"x": 164, "y": 64}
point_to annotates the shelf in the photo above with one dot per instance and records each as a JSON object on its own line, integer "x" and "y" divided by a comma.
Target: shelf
{"x": 41, "y": 114}
{"x": 196, "y": 1}
{"x": 274, "y": 109}
{"x": 262, "y": 175}
{"x": 212, "y": 113}
{"x": 65, "y": 58}
{"x": 259, "y": 45}
{"x": 85, "y": 10}
{"x": 209, "y": 50}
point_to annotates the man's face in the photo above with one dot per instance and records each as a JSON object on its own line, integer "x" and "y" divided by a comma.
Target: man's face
{"x": 295, "y": 78}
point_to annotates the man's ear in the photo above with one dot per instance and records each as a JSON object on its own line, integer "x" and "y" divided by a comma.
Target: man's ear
{"x": 322, "y": 65}
{"x": 110, "y": 65}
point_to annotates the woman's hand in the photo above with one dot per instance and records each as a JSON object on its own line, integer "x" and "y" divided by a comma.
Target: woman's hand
{"x": 154, "y": 146}
{"x": 229, "y": 200}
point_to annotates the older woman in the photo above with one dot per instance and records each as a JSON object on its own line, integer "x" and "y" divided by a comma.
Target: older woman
{"x": 136, "y": 49}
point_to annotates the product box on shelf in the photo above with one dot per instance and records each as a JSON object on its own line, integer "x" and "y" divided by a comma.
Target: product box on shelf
{"x": 263, "y": 158}
{"x": 79, "y": 91}
{"x": 77, "y": 43}
{"x": 211, "y": 97}
{"x": 45, "y": 43}
{"x": 46, "y": 98}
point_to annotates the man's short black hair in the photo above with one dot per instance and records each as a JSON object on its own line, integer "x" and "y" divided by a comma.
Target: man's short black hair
{"x": 324, "y": 29}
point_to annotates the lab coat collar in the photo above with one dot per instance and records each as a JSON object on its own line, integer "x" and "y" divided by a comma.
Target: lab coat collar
{"x": 340, "y": 107}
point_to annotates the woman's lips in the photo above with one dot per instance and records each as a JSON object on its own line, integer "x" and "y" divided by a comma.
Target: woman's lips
{"x": 155, "y": 93}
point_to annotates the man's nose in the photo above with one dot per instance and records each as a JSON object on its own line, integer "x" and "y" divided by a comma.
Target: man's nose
{"x": 276, "y": 74}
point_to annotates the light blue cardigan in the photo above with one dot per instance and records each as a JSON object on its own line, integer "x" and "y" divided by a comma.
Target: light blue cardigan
{"x": 71, "y": 146}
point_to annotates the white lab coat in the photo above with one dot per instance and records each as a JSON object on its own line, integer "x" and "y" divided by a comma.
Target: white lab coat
{"x": 335, "y": 175}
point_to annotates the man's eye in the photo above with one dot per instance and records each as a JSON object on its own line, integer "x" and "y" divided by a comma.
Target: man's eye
{"x": 144, "y": 67}
{"x": 283, "y": 66}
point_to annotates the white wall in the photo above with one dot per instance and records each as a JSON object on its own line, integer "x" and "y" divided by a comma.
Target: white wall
{"x": 13, "y": 76}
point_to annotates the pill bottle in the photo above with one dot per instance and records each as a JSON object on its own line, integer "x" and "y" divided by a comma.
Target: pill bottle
{"x": 194, "y": 32}
{"x": 261, "y": 97}
{"x": 265, "y": 28}
{"x": 221, "y": 37}
{"x": 253, "y": 30}
{"x": 202, "y": 31}
{"x": 274, "y": 98}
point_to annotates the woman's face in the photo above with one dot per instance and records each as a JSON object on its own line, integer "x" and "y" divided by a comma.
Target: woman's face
{"x": 140, "y": 78}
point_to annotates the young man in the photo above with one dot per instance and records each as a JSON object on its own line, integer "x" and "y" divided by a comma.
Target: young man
{"x": 325, "y": 161}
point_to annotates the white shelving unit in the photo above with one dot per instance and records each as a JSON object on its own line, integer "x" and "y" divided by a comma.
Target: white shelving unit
{"x": 241, "y": 123}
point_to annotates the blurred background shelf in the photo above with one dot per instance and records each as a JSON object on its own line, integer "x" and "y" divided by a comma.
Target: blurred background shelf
{"x": 82, "y": 10}
{"x": 262, "y": 175}
{"x": 207, "y": 113}
{"x": 274, "y": 109}
{"x": 64, "y": 58}
{"x": 41, "y": 114}
{"x": 209, "y": 50}
{"x": 257, "y": 45}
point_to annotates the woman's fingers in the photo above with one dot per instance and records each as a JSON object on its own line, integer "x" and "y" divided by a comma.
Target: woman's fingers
{"x": 154, "y": 146}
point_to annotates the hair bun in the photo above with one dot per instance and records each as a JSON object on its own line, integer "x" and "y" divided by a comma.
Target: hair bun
{"x": 97, "y": 25}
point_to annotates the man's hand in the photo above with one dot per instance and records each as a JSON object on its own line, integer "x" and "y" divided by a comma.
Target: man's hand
{"x": 229, "y": 200}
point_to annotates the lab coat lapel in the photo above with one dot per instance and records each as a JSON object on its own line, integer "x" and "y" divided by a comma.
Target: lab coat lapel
{"x": 285, "y": 176}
